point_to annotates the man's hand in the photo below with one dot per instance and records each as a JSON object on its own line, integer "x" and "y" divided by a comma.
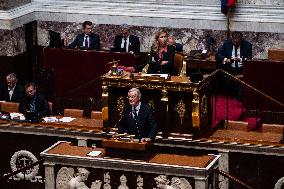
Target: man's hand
{"x": 226, "y": 61}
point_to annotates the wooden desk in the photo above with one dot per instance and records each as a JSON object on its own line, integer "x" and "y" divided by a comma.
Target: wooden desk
{"x": 276, "y": 54}
{"x": 74, "y": 68}
{"x": 180, "y": 106}
{"x": 205, "y": 65}
{"x": 77, "y": 124}
{"x": 62, "y": 159}
{"x": 266, "y": 76}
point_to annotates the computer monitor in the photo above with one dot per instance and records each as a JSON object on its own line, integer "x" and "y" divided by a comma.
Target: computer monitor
{"x": 54, "y": 39}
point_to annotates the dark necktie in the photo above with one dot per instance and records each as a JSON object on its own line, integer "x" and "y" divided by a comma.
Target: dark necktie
{"x": 125, "y": 43}
{"x": 135, "y": 116}
{"x": 236, "y": 55}
{"x": 32, "y": 105}
{"x": 86, "y": 41}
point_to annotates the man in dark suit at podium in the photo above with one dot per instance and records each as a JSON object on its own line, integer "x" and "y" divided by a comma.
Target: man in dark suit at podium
{"x": 126, "y": 42}
{"x": 87, "y": 39}
{"x": 231, "y": 54}
{"x": 11, "y": 92}
{"x": 137, "y": 118}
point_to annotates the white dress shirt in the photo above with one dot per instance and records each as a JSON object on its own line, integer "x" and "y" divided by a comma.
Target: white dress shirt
{"x": 137, "y": 108}
{"x": 240, "y": 64}
{"x": 127, "y": 43}
{"x": 11, "y": 91}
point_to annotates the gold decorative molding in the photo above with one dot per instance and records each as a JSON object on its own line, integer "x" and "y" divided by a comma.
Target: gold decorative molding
{"x": 151, "y": 104}
{"x": 165, "y": 95}
{"x": 120, "y": 105}
{"x": 203, "y": 106}
{"x": 105, "y": 90}
{"x": 180, "y": 107}
{"x": 168, "y": 85}
{"x": 195, "y": 109}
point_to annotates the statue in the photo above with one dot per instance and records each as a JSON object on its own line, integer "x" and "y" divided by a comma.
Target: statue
{"x": 78, "y": 182}
{"x": 140, "y": 182}
{"x": 66, "y": 179}
{"x": 162, "y": 182}
{"x": 123, "y": 181}
{"x": 176, "y": 183}
{"x": 107, "y": 181}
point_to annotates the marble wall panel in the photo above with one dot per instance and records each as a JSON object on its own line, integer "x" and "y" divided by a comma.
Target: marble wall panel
{"x": 10, "y": 4}
{"x": 191, "y": 38}
{"x": 12, "y": 42}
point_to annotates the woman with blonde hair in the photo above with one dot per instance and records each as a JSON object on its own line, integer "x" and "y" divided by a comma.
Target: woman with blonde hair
{"x": 162, "y": 55}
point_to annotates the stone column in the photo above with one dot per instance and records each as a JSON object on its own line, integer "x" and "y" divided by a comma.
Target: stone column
{"x": 224, "y": 166}
{"x": 49, "y": 176}
{"x": 10, "y": 4}
{"x": 201, "y": 183}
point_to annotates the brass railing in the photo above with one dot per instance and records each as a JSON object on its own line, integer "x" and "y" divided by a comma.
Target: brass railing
{"x": 250, "y": 87}
{"x": 235, "y": 180}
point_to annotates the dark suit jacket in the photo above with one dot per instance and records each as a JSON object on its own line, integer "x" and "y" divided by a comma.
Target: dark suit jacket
{"x": 155, "y": 63}
{"x": 134, "y": 44}
{"x": 225, "y": 51}
{"x": 94, "y": 41}
{"x": 17, "y": 96}
{"x": 41, "y": 105}
{"x": 147, "y": 125}
{"x": 179, "y": 47}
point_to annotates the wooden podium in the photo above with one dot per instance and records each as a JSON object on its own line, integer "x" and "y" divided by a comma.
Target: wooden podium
{"x": 118, "y": 144}
{"x": 127, "y": 149}
{"x": 181, "y": 107}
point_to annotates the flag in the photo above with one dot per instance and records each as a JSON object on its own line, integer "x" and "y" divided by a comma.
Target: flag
{"x": 226, "y": 4}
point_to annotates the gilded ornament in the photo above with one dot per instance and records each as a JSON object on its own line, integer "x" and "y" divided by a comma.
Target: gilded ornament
{"x": 120, "y": 105}
{"x": 181, "y": 110}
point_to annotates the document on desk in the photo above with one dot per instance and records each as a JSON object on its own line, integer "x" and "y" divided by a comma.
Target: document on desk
{"x": 155, "y": 75}
{"x": 67, "y": 119}
{"x": 50, "y": 119}
{"x": 94, "y": 153}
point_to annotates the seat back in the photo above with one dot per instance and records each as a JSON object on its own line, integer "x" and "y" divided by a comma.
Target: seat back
{"x": 105, "y": 113}
{"x": 76, "y": 113}
{"x": 96, "y": 115}
{"x": 10, "y": 106}
{"x": 178, "y": 63}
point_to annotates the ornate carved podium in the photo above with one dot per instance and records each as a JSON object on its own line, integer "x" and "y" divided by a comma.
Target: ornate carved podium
{"x": 63, "y": 162}
{"x": 182, "y": 108}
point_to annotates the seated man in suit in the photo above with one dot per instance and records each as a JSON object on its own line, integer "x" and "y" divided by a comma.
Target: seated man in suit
{"x": 232, "y": 53}
{"x": 126, "y": 42}
{"x": 178, "y": 47}
{"x": 87, "y": 39}
{"x": 137, "y": 118}
{"x": 34, "y": 102}
{"x": 11, "y": 92}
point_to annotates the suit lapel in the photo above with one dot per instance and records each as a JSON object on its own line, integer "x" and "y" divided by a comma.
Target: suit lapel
{"x": 230, "y": 49}
{"x": 241, "y": 49}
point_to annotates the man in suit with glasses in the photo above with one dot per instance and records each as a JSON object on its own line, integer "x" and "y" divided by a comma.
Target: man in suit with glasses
{"x": 138, "y": 118}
